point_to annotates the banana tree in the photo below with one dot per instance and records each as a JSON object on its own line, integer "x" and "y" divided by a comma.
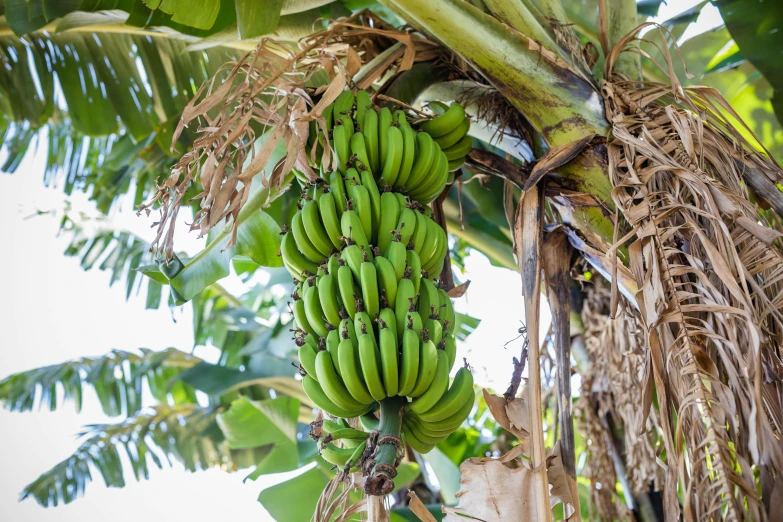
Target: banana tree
{"x": 656, "y": 183}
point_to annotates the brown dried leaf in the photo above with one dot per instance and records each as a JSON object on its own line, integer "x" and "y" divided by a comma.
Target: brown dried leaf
{"x": 491, "y": 491}
{"x": 459, "y": 290}
{"x": 563, "y": 487}
{"x": 419, "y": 509}
{"x": 557, "y": 157}
{"x": 512, "y": 415}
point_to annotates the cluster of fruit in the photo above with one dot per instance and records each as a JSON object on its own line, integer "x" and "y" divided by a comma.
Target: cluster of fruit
{"x": 372, "y": 325}
{"x": 384, "y": 145}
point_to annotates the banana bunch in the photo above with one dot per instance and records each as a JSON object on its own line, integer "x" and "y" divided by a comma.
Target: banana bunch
{"x": 371, "y": 321}
{"x": 382, "y": 143}
{"x": 449, "y": 129}
{"x": 350, "y": 221}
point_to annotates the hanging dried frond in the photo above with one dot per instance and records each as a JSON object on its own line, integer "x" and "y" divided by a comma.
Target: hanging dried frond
{"x": 267, "y": 91}
{"x": 611, "y": 392}
{"x": 709, "y": 285}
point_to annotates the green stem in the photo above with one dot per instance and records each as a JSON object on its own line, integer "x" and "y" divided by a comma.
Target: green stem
{"x": 383, "y": 464}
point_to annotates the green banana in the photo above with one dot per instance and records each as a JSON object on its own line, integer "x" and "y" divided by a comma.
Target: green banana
{"x": 347, "y": 289}
{"x": 414, "y": 264}
{"x": 409, "y": 361}
{"x": 408, "y": 148}
{"x": 370, "y": 422}
{"x": 454, "y": 136}
{"x": 370, "y": 132}
{"x": 343, "y": 104}
{"x": 384, "y": 124}
{"x": 369, "y": 284}
{"x": 392, "y": 155}
{"x": 389, "y": 217}
{"x": 435, "y": 265}
{"x": 430, "y": 246}
{"x": 333, "y": 264}
{"x": 440, "y": 176}
{"x": 307, "y": 357}
{"x": 421, "y": 436}
{"x": 302, "y": 241}
{"x": 347, "y": 122}
{"x": 429, "y": 300}
{"x": 387, "y": 315}
{"x": 395, "y": 253}
{"x": 425, "y": 157}
{"x": 460, "y": 149}
{"x": 314, "y": 313}
{"x": 301, "y": 317}
{"x": 330, "y": 218}
{"x": 436, "y": 389}
{"x": 434, "y": 329}
{"x": 352, "y": 229}
{"x": 346, "y": 326}
{"x": 428, "y": 361}
{"x": 339, "y": 431}
{"x": 353, "y": 258}
{"x": 459, "y": 392}
{"x": 406, "y": 225}
{"x": 435, "y": 179}
{"x": 359, "y": 152}
{"x": 368, "y": 357}
{"x": 405, "y": 299}
{"x": 452, "y": 166}
{"x": 331, "y": 384}
{"x": 420, "y": 233}
{"x": 316, "y": 394}
{"x": 402, "y": 200}
{"x": 361, "y": 201}
{"x": 368, "y": 182}
{"x": 363, "y": 103}
{"x": 387, "y": 340}
{"x": 446, "y": 122}
{"x": 332, "y": 343}
{"x": 328, "y": 293}
{"x": 337, "y": 187}
{"x": 342, "y": 146}
{"x": 450, "y": 423}
{"x": 387, "y": 279}
{"x": 415, "y": 443}
{"x": 352, "y": 370}
{"x": 316, "y": 233}
{"x": 294, "y": 259}
{"x": 347, "y": 458}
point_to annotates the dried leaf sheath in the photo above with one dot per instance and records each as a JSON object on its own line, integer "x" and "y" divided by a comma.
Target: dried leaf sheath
{"x": 708, "y": 278}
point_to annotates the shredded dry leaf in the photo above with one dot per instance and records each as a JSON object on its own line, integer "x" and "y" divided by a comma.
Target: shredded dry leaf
{"x": 709, "y": 285}
{"x": 267, "y": 89}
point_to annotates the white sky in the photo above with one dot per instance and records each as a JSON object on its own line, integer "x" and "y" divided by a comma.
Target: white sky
{"x": 52, "y": 311}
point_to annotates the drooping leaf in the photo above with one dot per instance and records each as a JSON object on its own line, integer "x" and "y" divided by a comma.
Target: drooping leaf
{"x": 157, "y": 435}
{"x": 118, "y": 379}
{"x": 294, "y": 500}
{"x": 257, "y": 18}
{"x": 757, "y": 32}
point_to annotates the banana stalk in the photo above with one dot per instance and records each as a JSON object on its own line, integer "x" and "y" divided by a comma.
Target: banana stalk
{"x": 383, "y": 466}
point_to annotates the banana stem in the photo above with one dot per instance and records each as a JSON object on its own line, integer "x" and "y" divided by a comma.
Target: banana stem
{"x": 383, "y": 463}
